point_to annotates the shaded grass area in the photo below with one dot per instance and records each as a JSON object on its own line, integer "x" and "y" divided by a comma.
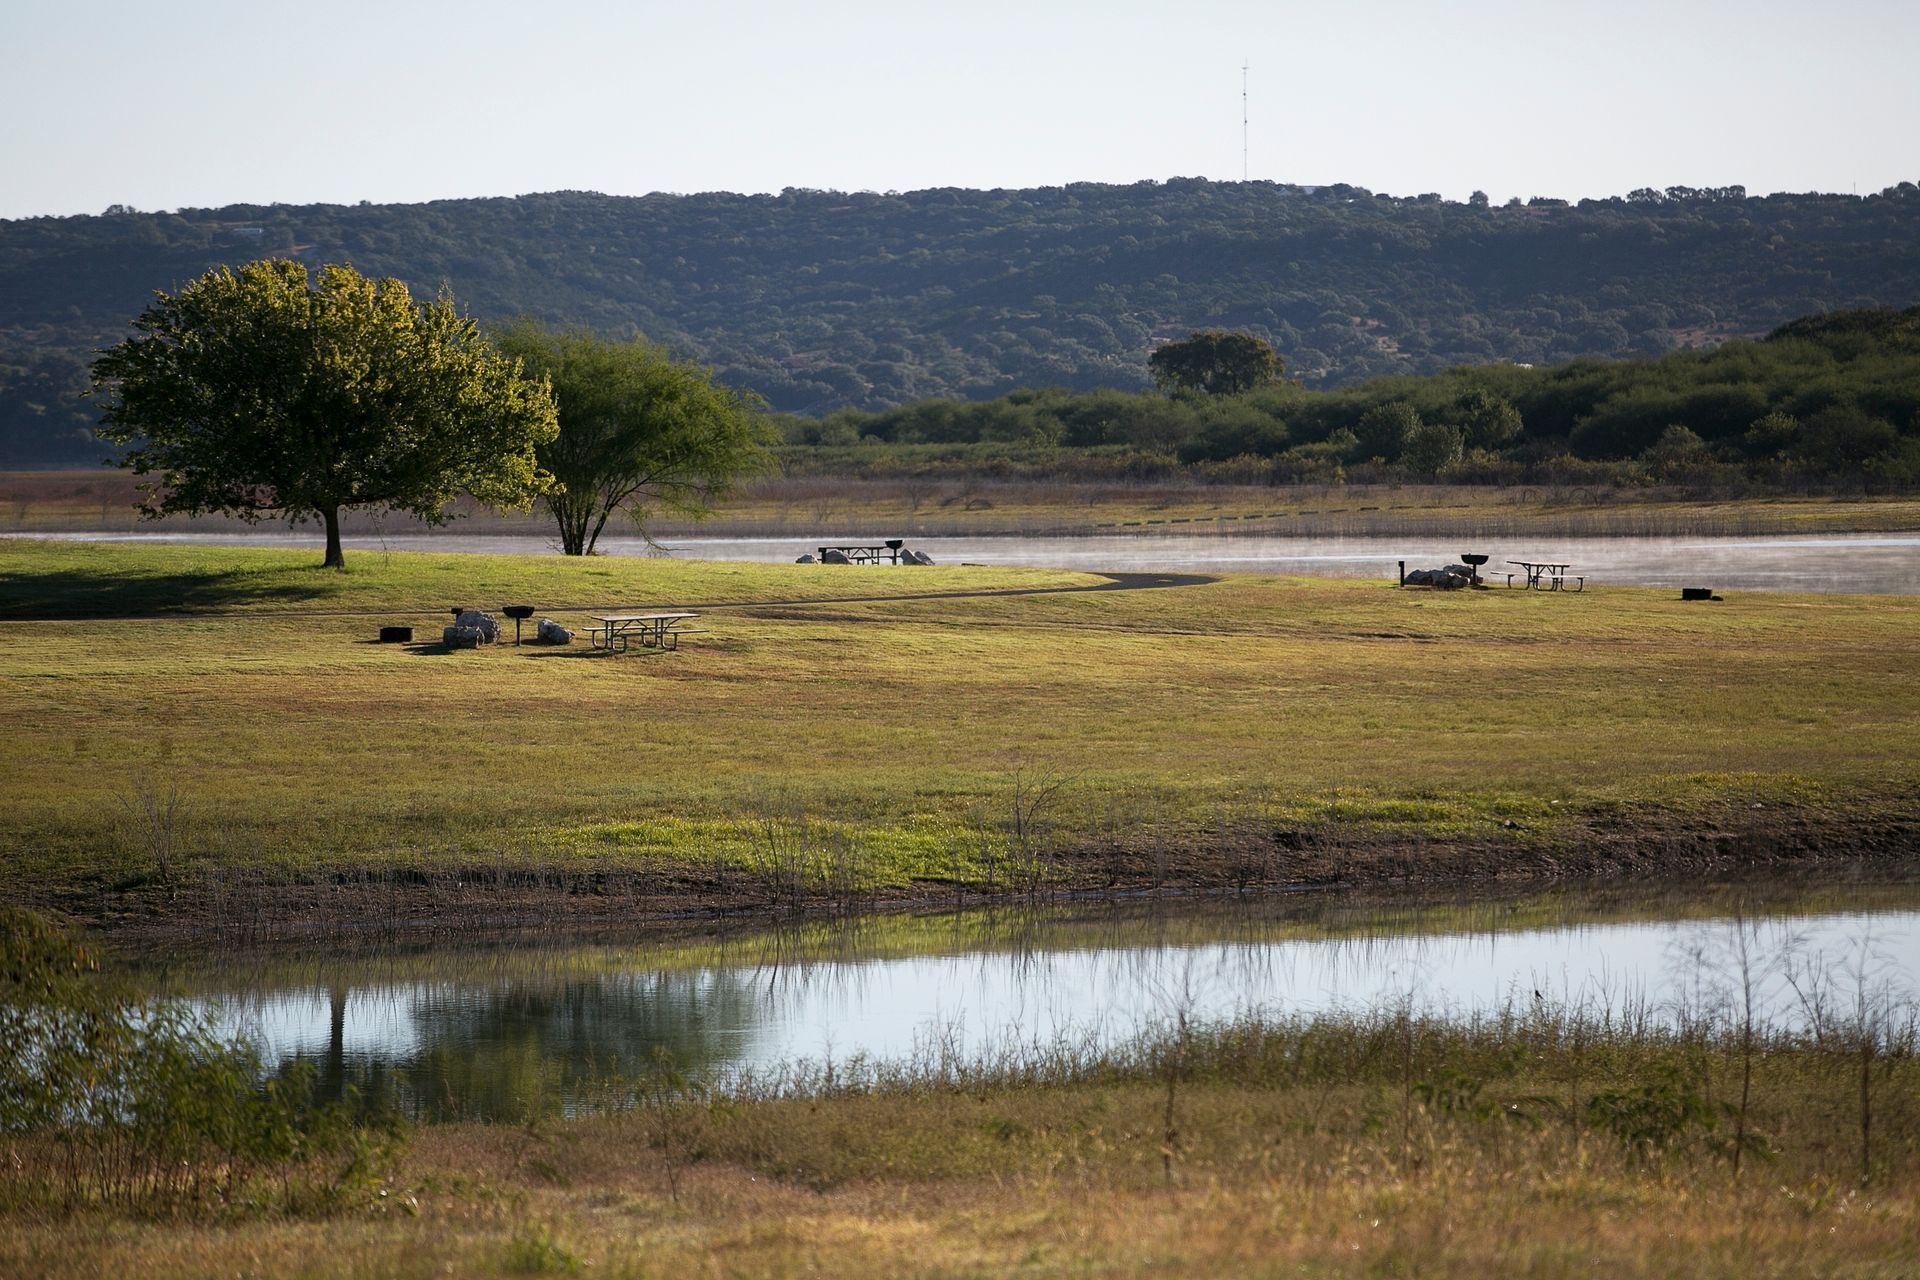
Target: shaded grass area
{"x": 1534, "y": 1144}
{"x": 1246, "y": 731}
{"x": 55, "y": 580}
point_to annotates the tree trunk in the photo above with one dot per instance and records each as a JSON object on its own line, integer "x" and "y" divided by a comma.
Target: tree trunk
{"x": 335, "y": 558}
{"x": 593, "y": 539}
{"x": 333, "y": 1074}
{"x": 572, "y": 521}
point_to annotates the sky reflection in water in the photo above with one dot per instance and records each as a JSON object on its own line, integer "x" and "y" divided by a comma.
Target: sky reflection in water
{"x": 472, "y": 1033}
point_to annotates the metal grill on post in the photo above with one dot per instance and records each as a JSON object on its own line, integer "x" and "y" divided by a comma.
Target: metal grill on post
{"x": 519, "y": 613}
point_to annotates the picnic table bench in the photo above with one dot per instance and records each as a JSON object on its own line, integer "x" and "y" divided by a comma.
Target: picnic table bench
{"x": 864, "y": 553}
{"x": 619, "y": 631}
{"x": 1545, "y": 576}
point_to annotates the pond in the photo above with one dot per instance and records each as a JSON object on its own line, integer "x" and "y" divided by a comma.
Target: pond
{"x": 455, "y": 1031}
{"x": 1881, "y": 564}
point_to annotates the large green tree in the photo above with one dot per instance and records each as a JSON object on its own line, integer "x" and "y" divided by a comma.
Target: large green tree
{"x": 1384, "y": 429}
{"x": 1216, "y": 361}
{"x": 639, "y": 430}
{"x": 268, "y": 390}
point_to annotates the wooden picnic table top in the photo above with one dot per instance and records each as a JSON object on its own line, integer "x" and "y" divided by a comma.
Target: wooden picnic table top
{"x": 1542, "y": 564}
{"x": 641, "y": 617}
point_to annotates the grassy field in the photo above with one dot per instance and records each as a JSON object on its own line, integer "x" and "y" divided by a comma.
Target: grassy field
{"x": 1363, "y": 1145}
{"x": 806, "y": 506}
{"x": 1240, "y": 730}
{"x": 223, "y": 715}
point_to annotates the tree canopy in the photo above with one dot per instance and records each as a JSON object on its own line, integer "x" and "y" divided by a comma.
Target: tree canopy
{"x": 266, "y": 390}
{"x": 639, "y": 430}
{"x": 1217, "y": 362}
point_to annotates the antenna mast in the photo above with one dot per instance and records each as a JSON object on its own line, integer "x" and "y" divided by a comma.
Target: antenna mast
{"x": 1243, "y": 122}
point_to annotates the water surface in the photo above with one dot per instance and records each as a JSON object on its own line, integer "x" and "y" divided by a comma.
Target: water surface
{"x": 458, "y": 1031}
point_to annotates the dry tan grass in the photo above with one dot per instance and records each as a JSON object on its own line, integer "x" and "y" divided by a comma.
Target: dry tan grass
{"x": 1264, "y": 1184}
{"x": 804, "y": 506}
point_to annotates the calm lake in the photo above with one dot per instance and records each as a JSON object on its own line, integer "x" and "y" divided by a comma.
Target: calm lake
{"x": 453, "y": 1031}
{"x": 1879, "y": 564}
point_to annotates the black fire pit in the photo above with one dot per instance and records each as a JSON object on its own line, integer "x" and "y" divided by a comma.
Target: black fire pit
{"x": 519, "y": 613}
{"x": 1473, "y": 561}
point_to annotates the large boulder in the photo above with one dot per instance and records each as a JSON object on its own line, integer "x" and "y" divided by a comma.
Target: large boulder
{"x": 459, "y": 637}
{"x": 832, "y": 556}
{"x": 908, "y": 556}
{"x": 483, "y": 623}
{"x": 551, "y": 632}
{"x": 807, "y": 559}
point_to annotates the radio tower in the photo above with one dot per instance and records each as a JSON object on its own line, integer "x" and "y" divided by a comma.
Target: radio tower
{"x": 1243, "y": 122}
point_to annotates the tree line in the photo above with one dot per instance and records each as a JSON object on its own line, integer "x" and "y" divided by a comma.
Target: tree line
{"x": 822, "y": 300}
{"x": 1830, "y": 399}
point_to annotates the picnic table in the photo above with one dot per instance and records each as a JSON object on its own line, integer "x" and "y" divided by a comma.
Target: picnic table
{"x": 1545, "y": 576}
{"x": 619, "y": 631}
{"x": 863, "y": 553}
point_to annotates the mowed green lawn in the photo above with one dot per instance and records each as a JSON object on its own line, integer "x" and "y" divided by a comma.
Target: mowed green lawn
{"x": 248, "y": 680}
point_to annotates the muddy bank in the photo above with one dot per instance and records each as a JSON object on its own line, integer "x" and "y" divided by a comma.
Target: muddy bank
{"x": 264, "y": 905}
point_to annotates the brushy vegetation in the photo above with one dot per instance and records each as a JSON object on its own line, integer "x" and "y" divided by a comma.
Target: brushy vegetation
{"x": 1542, "y": 1138}
{"x": 1299, "y": 727}
{"x": 139, "y": 1106}
{"x": 1830, "y": 401}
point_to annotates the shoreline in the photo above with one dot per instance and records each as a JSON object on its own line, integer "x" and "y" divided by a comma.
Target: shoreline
{"x": 413, "y": 904}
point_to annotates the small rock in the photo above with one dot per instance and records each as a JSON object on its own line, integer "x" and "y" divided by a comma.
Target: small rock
{"x": 807, "y": 559}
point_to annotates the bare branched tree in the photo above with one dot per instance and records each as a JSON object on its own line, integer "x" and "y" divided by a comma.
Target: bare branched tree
{"x": 153, "y": 805}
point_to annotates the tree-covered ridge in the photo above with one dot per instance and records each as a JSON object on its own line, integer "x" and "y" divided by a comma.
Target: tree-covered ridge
{"x": 1826, "y": 399}
{"x": 822, "y": 300}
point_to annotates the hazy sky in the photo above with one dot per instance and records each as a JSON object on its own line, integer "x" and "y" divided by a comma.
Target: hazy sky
{"x": 209, "y": 102}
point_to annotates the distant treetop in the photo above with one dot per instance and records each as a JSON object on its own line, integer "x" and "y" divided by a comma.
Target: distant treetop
{"x": 1216, "y": 362}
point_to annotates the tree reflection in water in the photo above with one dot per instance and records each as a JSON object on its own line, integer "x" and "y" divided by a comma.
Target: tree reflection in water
{"x": 534, "y": 1048}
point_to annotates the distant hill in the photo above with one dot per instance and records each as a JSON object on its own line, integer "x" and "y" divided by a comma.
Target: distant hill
{"x": 822, "y": 300}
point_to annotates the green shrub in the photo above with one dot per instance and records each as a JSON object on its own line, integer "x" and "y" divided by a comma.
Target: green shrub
{"x": 142, "y": 1105}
